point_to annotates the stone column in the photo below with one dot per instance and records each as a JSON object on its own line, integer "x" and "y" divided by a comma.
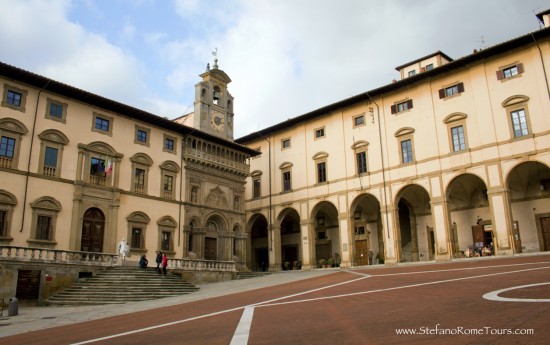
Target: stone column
{"x": 275, "y": 260}
{"x": 501, "y": 219}
{"x": 442, "y": 229}
{"x": 345, "y": 238}
{"x": 308, "y": 244}
{"x": 389, "y": 216}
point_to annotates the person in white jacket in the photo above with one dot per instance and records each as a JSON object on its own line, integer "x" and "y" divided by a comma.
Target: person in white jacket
{"x": 123, "y": 249}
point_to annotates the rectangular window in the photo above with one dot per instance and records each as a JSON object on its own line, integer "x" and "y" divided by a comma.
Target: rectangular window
{"x": 168, "y": 183}
{"x": 50, "y": 157}
{"x": 43, "y": 228}
{"x": 286, "y": 181}
{"x": 321, "y": 172}
{"x": 56, "y": 110}
{"x": 319, "y": 132}
{"x": 406, "y": 151}
{"x": 97, "y": 167}
{"x": 519, "y": 122}
{"x": 169, "y": 144}
{"x": 429, "y": 67}
{"x": 459, "y": 143}
{"x": 510, "y": 71}
{"x": 361, "y": 162}
{"x": 139, "y": 181}
{"x": 165, "y": 245}
{"x": 136, "y": 240}
{"x": 14, "y": 98}
{"x": 451, "y": 90}
{"x": 359, "y": 120}
{"x": 7, "y": 147}
{"x": 3, "y": 223}
{"x": 402, "y": 106}
{"x": 256, "y": 188}
{"x": 285, "y": 143}
{"x": 141, "y": 136}
{"x": 412, "y": 73}
{"x": 102, "y": 124}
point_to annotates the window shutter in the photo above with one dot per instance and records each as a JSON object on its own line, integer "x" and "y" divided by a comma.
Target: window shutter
{"x": 394, "y": 109}
{"x": 500, "y": 74}
{"x": 410, "y": 103}
{"x": 520, "y": 68}
{"x": 460, "y": 87}
{"x": 441, "y": 93}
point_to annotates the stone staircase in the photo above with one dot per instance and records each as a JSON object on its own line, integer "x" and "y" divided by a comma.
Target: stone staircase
{"x": 122, "y": 284}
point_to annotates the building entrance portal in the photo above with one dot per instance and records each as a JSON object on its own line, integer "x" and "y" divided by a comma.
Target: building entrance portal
{"x": 93, "y": 228}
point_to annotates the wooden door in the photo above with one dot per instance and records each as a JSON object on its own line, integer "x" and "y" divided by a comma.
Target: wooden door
{"x": 28, "y": 285}
{"x": 478, "y": 234}
{"x": 93, "y": 226}
{"x": 210, "y": 249}
{"x": 322, "y": 251}
{"x": 361, "y": 253}
{"x": 545, "y": 229}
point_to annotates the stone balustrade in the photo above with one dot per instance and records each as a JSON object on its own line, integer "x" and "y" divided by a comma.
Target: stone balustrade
{"x": 56, "y": 256}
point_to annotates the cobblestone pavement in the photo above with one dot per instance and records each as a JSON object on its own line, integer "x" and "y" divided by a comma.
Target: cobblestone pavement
{"x": 483, "y": 301}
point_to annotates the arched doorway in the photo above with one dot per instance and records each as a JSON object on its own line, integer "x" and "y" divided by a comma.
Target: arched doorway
{"x": 214, "y": 249}
{"x": 470, "y": 223}
{"x": 529, "y": 193}
{"x": 259, "y": 243}
{"x": 366, "y": 230}
{"x": 291, "y": 253}
{"x": 414, "y": 218}
{"x": 327, "y": 233}
{"x": 93, "y": 228}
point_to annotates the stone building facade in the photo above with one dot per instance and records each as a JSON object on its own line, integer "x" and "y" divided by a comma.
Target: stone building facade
{"x": 450, "y": 161}
{"x": 81, "y": 172}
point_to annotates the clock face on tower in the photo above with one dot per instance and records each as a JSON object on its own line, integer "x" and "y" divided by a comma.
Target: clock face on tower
{"x": 217, "y": 120}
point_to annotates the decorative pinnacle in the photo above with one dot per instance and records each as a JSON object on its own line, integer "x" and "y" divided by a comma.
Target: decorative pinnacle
{"x": 215, "y": 53}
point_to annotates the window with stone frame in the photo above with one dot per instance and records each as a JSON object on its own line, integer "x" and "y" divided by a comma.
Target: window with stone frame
{"x": 451, "y": 90}
{"x": 52, "y": 143}
{"x": 518, "y": 116}
{"x": 142, "y": 136}
{"x": 14, "y": 98}
{"x": 406, "y": 145}
{"x": 169, "y": 143}
{"x": 166, "y": 229}
{"x": 11, "y": 133}
{"x": 44, "y": 220}
{"x": 7, "y": 204}
{"x": 168, "y": 171}
{"x": 56, "y": 110}
{"x": 137, "y": 230}
{"x": 510, "y": 71}
{"x": 140, "y": 172}
{"x": 321, "y": 159}
{"x": 102, "y": 123}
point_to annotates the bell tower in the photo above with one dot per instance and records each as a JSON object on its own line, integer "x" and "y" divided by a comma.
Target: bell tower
{"x": 213, "y": 103}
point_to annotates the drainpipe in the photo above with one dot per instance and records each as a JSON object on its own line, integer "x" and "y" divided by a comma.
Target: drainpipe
{"x": 542, "y": 61}
{"x": 27, "y": 173}
{"x": 382, "y": 159}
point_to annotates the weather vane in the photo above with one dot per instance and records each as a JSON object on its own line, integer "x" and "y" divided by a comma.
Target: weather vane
{"x": 215, "y": 53}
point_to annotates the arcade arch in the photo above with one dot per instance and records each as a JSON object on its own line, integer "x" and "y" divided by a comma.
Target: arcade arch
{"x": 470, "y": 215}
{"x": 529, "y": 192}
{"x": 326, "y": 232}
{"x": 259, "y": 243}
{"x": 366, "y": 230}
{"x": 415, "y": 240}
{"x": 291, "y": 251}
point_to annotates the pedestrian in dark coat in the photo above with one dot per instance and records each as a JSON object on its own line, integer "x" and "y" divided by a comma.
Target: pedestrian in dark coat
{"x": 158, "y": 260}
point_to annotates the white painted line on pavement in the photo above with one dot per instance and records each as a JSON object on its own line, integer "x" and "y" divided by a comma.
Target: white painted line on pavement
{"x": 243, "y": 329}
{"x": 494, "y": 296}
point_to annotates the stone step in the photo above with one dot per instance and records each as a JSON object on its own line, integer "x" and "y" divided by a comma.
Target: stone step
{"x": 122, "y": 284}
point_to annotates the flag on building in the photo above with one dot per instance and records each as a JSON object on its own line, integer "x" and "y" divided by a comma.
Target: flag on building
{"x": 109, "y": 169}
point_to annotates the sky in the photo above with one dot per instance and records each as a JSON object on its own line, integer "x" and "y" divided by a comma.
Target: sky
{"x": 284, "y": 57}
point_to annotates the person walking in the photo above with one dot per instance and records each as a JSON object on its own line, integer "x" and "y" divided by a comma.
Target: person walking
{"x": 143, "y": 262}
{"x": 158, "y": 260}
{"x": 164, "y": 264}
